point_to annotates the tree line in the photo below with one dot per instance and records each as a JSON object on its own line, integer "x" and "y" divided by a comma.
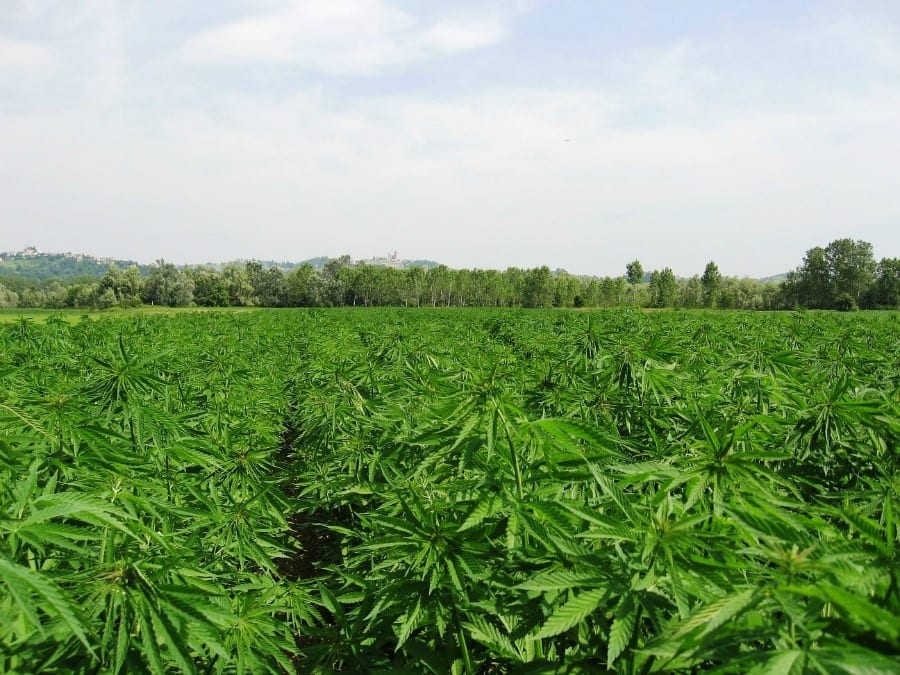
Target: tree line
{"x": 843, "y": 275}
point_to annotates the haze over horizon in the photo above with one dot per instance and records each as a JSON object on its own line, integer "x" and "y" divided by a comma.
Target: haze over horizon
{"x": 573, "y": 134}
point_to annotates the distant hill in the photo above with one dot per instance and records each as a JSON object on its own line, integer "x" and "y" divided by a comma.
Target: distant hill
{"x": 280, "y": 264}
{"x": 33, "y": 265}
{"x": 319, "y": 262}
{"x": 392, "y": 260}
{"x": 427, "y": 264}
{"x": 38, "y": 266}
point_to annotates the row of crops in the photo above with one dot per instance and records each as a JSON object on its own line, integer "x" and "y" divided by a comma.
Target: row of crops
{"x": 450, "y": 492}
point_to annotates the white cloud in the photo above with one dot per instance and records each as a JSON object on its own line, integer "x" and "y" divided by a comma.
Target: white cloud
{"x": 338, "y": 36}
{"x": 23, "y": 55}
{"x": 673, "y": 153}
{"x": 456, "y": 35}
{"x": 484, "y": 179}
{"x": 673, "y": 77}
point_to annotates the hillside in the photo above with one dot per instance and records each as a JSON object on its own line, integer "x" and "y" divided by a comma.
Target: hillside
{"x": 38, "y": 266}
{"x": 34, "y": 265}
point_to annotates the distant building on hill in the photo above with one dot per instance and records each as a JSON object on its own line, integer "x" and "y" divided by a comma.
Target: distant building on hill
{"x": 390, "y": 260}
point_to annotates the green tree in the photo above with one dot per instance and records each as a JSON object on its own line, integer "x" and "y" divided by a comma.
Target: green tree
{"x": 169, "y": 286}
{"x": 255, "y": 275}
{"x": 120, "y": 287}
{"x": 710, "y": 281}
{"x": 334, "y": 282}
{"x": 210, "y": 289}
{"x": 851, "y": 266}
{"x": 301, "y": 286}
{"x": 814, "y": 285}
{"x": 886, "y": 290}
{"x": 634, "y": 272}
{"x": 464, "y": 287}
{"x": 663, "y": 288}
{"x": 413, "y": 278}
{"x": 566, "y": 288}
{"x": 80, "y": 295}
{"x": 440, "y": 285}
{"x": 8, "y": 299}
{"x": 844, "y": 269}
{"x": 513, "y": 285}
{"x": 538, "y": 290}
{"x": 359, "y": 284}
{"x": 269, "y": 285}
{"x": 691, "y": 292}
{"x": 240, "y": 290}
{"x": 613, "y": 291}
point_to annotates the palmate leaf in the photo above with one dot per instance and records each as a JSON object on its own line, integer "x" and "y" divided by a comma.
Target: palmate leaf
{"x": 603, "y": 526}
{"x": 485, "y": 508}
{"x": 518, "y": 650}
{"x": 568, "y": 432}
{"x": 355, "y": 397}
{"x": 714, "y": 614}
{"x": 854, "y": 660}
{"x": 643, "y": 472}
{"x": 791, "y": 662}
{"x": 151, "y": 650}
{"x": 409, "y": 623}
{"x": 164, "y": 635}
{"x": 613, "y": 491}
{"x": 692, "y": 632}
{"x": 622, "y": 629}
{"x": 25, "y": 489}
{"x": 573, "y": 612}
{"x": 561, "y": 580}
{"x": 195, "y": 603}
{"x": 871, "y": 530}
{"x": 551, "y": 514}
{"x": 857, "y": 609}
{"x": 59, "y": 535}
{"x": 25, "y": 582}
{"x": 15, "y": 413}
{"x": 78, "y": 506}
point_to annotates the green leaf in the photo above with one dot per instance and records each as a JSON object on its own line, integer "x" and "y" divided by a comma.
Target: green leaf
{"x": 485, "y": 508}
{"x": 854, "y": 607}
{"x": 28, "y": 581}
{"x": 783, "y": 663}
{"x": 490, "y": 636}
{"x": 714, "y": 614}
{"x": 613, "y": 491}
{"x": 573, "y": 612}
{"x": 409, "y": 623}
{"x": 560, "y": 580}
{"x": 623, "y": 626}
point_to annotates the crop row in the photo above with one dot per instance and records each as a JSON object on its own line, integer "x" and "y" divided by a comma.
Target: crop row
{"x": 450, "y": 491}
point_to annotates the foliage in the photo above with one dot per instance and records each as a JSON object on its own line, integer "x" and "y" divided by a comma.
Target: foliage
{"x": 450, "y": 491}
{"x": 711, "y": 281}
{"x": 843, "y": 268}
{"x": 842, "y": 275}
{"x": 634, "y": 272}
{"x": 167, "y": 285}
{"x": 663, "y": 288}
{"x": 36, "y": 266}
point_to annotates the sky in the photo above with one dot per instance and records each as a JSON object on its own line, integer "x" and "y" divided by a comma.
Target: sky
{"x": 578, "y": 134}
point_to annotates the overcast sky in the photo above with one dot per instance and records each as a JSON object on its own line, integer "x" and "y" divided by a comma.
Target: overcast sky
{"x": 579, "y": 134}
